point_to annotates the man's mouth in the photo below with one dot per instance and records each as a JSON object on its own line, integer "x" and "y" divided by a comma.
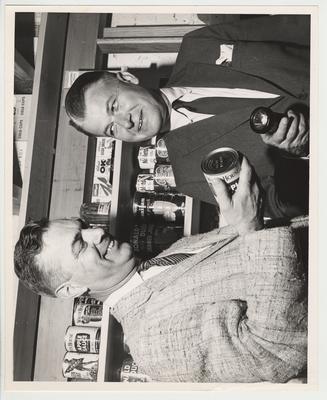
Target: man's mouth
{"x": 140, "y": 121}
{"x": 109, "y": 248}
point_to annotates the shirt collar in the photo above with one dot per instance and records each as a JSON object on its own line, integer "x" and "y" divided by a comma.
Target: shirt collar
{"x": 173, "y": 93}
{"x": 103, "y": 294}
{"x": 113, "y": 297}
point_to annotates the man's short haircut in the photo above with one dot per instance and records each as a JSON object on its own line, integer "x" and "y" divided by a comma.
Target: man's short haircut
{"x": 40, "y": 279}
{"x": 74, "y": 101}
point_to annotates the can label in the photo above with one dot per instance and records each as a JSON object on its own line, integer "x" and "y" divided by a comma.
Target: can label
{"x": 145, "y": 183}
{"x": 148, "y": 240}
{"x": 80, "y": 366}
{"x": 161, "y": 150}
{"x": 164, "y": 175}
{"x": 129, "y": 372}
{"x": 88, "y": 314}
{"x": 87, "y": 300}
{"x": 222, "y": 164}
{"x": 160, "y": 182}
{"x": 147, "y": 157}
{"x": 168, "y": 206}
{"x": 82, "y": 339}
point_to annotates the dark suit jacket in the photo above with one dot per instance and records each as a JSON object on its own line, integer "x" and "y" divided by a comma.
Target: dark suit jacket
{"x": 270, "y": 54}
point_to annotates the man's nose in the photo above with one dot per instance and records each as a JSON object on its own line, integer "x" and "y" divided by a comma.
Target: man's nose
{"x": 93, "y": 235}
{"x": 124, "y": 120}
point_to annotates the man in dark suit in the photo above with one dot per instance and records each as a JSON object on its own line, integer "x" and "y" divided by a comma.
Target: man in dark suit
{"x": 225, "y": 71}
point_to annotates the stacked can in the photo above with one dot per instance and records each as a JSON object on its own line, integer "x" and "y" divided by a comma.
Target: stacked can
{"x": 129, "y": 372}
{"x": 162, "y": 180}
{"x": 95, "y": 213}
{"x": 80, "y": 366}
{"x": 149, "y": 156}
{"x": 82, "y": 340}
{"x": 86, "y": 314}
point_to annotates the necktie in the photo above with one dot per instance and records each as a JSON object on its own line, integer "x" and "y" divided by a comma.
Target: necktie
{"x": 188, "y": 105}
{"x": 218, "y": 105}
{"x": 171, "y": 259}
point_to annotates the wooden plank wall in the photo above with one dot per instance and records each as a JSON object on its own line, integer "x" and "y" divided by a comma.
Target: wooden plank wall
{"x": 38, "y": 198}
{"x": 67, "y": 190}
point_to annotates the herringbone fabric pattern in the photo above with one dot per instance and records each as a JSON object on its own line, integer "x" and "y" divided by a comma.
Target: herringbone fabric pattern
{"x": 236, "y": 312}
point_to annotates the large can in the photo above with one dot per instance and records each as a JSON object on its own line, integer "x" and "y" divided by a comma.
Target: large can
{"x": 165, "y": 206}
{"x": 129, "y": 372}
{"x": 148, "y": 240}
{"x": 80, "y": 366}
{"x": 88, "y": 314}
{"x": 223, "y": 164}
{"x": 83, "y": 339}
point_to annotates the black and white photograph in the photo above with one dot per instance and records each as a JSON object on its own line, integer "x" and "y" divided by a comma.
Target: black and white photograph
{"x": 159, "y": 165}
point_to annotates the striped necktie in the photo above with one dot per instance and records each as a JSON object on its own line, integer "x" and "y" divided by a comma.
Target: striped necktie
{"x": 171, "y": 259}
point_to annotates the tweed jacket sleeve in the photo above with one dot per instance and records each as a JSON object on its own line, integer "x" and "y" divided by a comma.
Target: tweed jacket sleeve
{"x": 233, "y": 313}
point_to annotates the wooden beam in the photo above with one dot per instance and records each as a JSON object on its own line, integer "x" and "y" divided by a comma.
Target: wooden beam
{"x": 140, "y": 45}
{"x": 155, "y": 31}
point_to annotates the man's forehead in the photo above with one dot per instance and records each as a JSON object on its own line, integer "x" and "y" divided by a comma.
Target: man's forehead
{"x": 63, "y": 225}
{"x": 108, "y": 83}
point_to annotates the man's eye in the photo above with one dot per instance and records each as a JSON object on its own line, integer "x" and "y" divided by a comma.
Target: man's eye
{"x": 83, "y": 246}
{"x": 111, "y": 130}
{"x": 114, "y": 106}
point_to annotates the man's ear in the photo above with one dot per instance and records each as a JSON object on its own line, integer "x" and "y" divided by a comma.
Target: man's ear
{"x": 68, "y": 290}
{"x": 127, "y": 77}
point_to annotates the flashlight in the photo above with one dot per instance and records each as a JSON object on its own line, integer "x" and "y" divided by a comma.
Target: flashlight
{"x": 263, "y": 120}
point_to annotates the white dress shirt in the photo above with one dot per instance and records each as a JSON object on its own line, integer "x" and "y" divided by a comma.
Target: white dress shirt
{"x": 184, "y": 117}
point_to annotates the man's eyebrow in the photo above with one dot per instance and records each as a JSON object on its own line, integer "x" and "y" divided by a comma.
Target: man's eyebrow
{"x": 77, "y": 240}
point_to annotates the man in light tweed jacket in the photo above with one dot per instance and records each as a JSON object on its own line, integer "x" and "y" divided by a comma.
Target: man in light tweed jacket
{"x": 233, "y": 311}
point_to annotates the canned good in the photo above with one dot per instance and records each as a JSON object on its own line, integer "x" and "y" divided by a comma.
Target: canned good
{"x": 167, "y": 206}
{"x": 161, "y": 151}
{"x": 80, "y": 366}
{"x": 164, "y": 175}
{"x": 129, "y": 372}
{"x": 222, "y": 164}
{"x": 95, "y": 213}
{"x": 148, "y": 239}
{"x": 148, "y": 183}
{"x": 82, "y": 339}
{"x": 88, "y": 314}
{"x": 87, "y": 300}
{"x": 147, "y": 157}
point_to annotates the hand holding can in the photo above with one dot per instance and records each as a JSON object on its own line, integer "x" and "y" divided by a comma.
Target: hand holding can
{"x": 244, "y": 209}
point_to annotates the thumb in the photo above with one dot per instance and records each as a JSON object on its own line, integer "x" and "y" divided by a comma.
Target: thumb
{"x": 222, "y": 194}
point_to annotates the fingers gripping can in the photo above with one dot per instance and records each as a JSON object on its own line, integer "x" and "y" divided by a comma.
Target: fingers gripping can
{"x": 223, "y": 164}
